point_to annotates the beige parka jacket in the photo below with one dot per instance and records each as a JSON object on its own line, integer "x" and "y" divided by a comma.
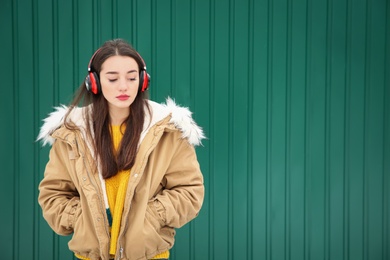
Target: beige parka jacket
{"x": 165, "y": 189}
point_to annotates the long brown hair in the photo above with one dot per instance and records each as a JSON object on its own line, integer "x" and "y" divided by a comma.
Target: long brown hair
{"x": 97, "y": 117}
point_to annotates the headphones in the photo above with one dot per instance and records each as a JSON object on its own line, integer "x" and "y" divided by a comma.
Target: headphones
{"x": 92, "y": 82}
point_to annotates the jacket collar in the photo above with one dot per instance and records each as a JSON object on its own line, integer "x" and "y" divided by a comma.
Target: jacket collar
{"x": 181, "y": 118}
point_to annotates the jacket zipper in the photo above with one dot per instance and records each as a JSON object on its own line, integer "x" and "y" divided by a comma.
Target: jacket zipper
{"x": 120, "y": 253}
{"x": 135, "y": 175}
{"x": 97, "y": 191}
{"x": 95, "y": 187}
{"x": 120, "y": 236}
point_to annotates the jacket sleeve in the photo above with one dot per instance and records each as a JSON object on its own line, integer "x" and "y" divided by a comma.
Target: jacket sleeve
{"x": 182, "y": 198}
{"x": 58, "y": 196}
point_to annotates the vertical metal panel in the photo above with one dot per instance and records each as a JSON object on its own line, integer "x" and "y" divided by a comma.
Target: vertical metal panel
{"x": 296, "y": 130}
{"x": 386, "y": 143}
{"x": 355, "y": 131}
{"x": 293, "y": 95}
{"x": 374, "y": 129}
{"x": 7, "y": 156}
{"x": 219, "y": 199}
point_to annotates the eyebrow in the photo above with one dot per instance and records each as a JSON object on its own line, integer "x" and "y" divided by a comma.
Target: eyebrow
{"x": 115, "y": 72}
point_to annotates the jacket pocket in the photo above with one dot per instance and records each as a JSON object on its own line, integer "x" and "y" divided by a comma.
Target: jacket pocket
{"x": 84, "y": 241}
{"x": 156, "y": 232}
{"x": 70, "y": 214}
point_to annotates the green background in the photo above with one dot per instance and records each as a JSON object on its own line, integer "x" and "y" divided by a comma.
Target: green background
{"x": 293, "y": 95}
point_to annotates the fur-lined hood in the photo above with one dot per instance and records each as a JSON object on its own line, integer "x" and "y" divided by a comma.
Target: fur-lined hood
{"x": 181, "y": 118}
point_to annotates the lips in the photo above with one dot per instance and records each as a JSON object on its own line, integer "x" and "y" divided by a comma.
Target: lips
{"x": 123, "y": 97}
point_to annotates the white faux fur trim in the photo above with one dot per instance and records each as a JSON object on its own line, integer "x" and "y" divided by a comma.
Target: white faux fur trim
{"x": 50, "y": 124}
{"x": 181, "y": 117}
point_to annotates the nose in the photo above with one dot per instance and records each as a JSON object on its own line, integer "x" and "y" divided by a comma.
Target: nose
{"x": 123, "y": 84}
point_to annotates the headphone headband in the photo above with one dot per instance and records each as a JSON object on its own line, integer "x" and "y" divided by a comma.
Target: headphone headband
{"x": 92, "y": 82}
{"x": 143, "y": 62}
{"x": 90, "y": 61}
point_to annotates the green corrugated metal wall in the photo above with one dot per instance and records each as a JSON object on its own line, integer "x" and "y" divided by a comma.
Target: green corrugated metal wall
{"x": 294, "y": 97}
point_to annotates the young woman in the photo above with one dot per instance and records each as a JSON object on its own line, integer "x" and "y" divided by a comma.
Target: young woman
{"x": 122, "y": 172}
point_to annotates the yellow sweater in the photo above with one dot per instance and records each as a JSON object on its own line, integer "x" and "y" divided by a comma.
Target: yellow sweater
{"x": 116, "y": 191}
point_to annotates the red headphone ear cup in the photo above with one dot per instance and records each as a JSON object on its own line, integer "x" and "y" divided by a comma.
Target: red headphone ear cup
{"x": 144, "y": 80}
{"x": 141, "y": 80}
{"x": 87, "y": 82}
{"x": 92, "y": 83}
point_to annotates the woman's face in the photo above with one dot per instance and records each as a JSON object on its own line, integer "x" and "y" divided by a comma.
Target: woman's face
{"x": 119, "y": 79}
